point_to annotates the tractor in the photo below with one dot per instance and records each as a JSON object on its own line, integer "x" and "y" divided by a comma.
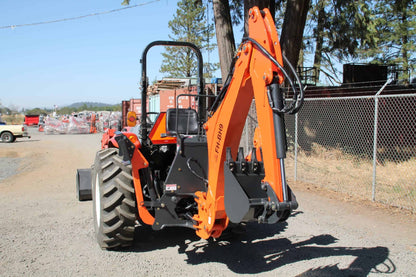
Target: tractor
{"x": 187, "y": 169}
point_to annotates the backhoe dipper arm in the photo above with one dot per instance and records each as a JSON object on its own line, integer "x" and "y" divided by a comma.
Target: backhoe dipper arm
{"x": 255, "y": 75}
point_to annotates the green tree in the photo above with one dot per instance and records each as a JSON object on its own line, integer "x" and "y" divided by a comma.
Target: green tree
{"x": 70, "y": 110}
{"x": 362, "y": 31}
{"x": 396, "y": 35}
{"x": 337, "y": 31}
{"x": 292, "y": 18}
{"x": 38, "y": 111}
{"x": 190, "y": 25}
{"x": 340, "y": 31}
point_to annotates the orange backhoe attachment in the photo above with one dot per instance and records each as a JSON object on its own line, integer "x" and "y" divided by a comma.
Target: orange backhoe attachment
{"x": 258, "y": 72}
{"x": 173, "y": 174}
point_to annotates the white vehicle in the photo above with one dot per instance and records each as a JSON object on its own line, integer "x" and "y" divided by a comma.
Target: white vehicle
{"x": 9, "y": 133}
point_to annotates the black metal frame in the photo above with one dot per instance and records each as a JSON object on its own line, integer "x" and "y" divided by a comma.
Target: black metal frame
{"x": 144, "y": 83}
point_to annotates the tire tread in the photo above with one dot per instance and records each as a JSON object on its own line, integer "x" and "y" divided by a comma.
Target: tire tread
{"x": 118, "y": 200}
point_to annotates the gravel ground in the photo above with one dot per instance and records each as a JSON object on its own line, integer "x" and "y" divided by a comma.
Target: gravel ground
{"x": 45, "y": 231}
{"x": 9, "y": 166}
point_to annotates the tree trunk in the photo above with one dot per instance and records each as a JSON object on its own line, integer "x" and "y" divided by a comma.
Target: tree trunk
{"x": 319, "y": 39}
{"x": 405, "y": 41}
{"x": 225, "y": 35}
{"x": 248, "y": 133}
{"x": 292, "y": 31}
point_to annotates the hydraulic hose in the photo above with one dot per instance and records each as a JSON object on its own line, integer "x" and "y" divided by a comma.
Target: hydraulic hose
{"x": 298, "y": 97}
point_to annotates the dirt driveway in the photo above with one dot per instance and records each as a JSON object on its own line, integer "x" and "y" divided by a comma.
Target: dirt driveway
{"x": 45, "y": 231}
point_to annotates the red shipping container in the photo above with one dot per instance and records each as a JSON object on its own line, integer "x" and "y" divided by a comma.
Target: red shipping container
{"x": 31, "y": 120}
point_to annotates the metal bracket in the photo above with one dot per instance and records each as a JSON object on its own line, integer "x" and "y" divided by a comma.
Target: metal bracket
{"x": 126, "y": 147}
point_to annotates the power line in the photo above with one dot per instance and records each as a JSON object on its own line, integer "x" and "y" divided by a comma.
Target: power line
{"x": 77, "y": 17}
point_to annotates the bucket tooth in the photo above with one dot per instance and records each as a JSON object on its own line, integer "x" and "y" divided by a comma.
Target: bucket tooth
{"x": 256, "y": 165}
{"x": 241, "y": 161}
{"x": 254, "y": 155}
{"x": 240, "y": 156}
{"x": 229, "y": 160}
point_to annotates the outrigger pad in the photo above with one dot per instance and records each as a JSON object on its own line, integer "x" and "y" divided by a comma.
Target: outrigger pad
{"x": 84, "y": 184}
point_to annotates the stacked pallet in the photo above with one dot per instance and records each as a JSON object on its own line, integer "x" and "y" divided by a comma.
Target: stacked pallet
{"x": 165, "y": 85}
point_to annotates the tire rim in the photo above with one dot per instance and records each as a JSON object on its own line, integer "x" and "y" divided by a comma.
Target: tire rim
{"x": 97, "y": 200}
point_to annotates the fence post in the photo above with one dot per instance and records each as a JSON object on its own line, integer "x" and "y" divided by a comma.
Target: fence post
{"x": 373, "y": 194}
{"x": 296, "y": 146}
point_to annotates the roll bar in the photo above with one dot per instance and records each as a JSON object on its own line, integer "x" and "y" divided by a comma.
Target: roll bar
{"x": 144, "y": 83}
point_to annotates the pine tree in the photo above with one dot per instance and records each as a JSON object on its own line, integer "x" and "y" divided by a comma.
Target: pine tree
{"x": 363, "y": 31}
{"x": 341, "y": 30}
{"x": 396, "y": 33}
{"x": 189, "y": 24}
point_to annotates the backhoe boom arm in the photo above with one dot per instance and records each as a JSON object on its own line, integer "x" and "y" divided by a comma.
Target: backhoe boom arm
{"x": 239, "y": 189}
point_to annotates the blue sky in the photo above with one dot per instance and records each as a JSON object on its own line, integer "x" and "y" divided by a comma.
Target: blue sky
{"x": 90, "y": 59}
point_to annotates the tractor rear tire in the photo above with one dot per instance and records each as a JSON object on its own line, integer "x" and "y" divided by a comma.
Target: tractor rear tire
{"x": 114, "y": 201}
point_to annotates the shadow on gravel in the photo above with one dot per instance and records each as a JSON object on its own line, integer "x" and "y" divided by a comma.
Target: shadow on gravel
{"x": 257, "y": 251}
{"x": 146, "y": 239}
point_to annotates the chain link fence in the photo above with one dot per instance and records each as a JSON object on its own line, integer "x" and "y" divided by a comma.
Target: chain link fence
{"x": 363, "y": 146}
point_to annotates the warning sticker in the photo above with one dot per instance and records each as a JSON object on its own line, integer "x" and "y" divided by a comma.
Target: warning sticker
{"x": 170, "y": 187}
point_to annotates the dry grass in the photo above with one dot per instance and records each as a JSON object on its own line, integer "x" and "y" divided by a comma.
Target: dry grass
{"x": 338, "y": 171}
{"x": 13, "y": 119}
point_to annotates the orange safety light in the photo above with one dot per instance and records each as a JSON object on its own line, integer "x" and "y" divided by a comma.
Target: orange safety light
{"x": 131, "y": 119}
{"x": 133, "y": 138}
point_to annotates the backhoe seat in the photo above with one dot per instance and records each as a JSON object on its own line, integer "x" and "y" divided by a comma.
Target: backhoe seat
{"x": 187, "y": 121}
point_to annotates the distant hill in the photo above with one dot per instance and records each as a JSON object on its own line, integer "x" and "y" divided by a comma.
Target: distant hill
{"x": 88, "y": 104}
